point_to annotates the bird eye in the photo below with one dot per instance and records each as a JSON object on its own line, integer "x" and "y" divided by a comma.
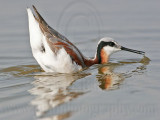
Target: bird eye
{"x": 111, "y": 44}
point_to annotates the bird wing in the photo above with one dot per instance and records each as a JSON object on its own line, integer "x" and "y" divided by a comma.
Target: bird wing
{"x": 56, "y": 41}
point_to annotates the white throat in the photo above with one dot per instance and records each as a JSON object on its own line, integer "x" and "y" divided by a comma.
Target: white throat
{"x": 110, "y": 50}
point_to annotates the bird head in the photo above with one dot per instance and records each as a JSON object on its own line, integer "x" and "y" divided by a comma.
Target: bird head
{"x": 107, "y": 46}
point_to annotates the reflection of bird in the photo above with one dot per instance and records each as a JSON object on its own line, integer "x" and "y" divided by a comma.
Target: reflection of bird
{"x": 55, "y": 53}
{"x": 108, "y": 79}
{"x": 51, "y": 90}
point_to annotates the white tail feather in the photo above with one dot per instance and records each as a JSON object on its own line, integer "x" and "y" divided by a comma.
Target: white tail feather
{"x": 34, "y": 31}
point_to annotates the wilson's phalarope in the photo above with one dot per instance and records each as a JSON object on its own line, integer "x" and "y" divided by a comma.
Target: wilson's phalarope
{"x": 55, "y": 53}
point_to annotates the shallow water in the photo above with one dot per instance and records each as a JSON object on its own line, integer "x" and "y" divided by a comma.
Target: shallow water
{"x": 127, "y": 88}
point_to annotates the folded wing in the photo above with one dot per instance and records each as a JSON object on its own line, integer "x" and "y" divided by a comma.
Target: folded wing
{"x": 56, "y": 41}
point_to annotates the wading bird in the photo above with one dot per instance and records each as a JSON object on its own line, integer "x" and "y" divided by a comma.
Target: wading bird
{"x": 55, "y": 53}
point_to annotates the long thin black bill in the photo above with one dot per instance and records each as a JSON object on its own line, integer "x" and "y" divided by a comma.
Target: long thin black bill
{"x": 134, "y": 51}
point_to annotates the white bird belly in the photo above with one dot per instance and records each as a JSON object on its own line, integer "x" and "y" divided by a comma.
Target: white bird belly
{"x": 61, "y": 62}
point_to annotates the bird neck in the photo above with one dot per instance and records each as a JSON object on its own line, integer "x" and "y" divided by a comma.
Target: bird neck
{"x": 89, "y": 62}
{"x": 102, "y": 56}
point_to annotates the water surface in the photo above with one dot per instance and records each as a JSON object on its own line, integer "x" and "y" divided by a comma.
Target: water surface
{"x": 127, "y": 88}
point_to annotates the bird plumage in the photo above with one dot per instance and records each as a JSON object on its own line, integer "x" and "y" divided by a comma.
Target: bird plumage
{"x": 55, "y": 53}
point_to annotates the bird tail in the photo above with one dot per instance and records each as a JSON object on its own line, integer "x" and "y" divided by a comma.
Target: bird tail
{"x": 34, "y": 31}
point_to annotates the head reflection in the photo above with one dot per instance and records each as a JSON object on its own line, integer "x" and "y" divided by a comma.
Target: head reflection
{"x": 110, "y": 80}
